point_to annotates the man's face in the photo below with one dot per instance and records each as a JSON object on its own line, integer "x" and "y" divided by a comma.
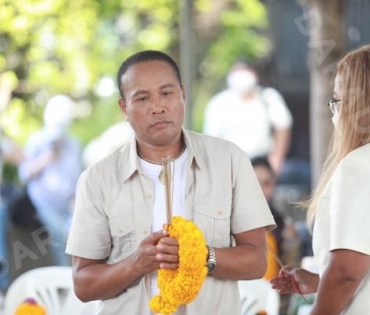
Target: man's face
{"x": 154, "y": 102}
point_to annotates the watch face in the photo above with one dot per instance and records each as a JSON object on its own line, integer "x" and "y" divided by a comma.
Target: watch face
{"x": 211, "y": 266}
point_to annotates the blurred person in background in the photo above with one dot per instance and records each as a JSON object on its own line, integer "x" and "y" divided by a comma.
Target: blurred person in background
{"x": 340, "y": 207}
{"x": 50, "y": 170}
{"x": 254, "y": 118}
{"x": 283, "y": 243}
{"x": 106, "y": 143}
{"x": 10, "y": 152}
{"x": 267, "y": 178}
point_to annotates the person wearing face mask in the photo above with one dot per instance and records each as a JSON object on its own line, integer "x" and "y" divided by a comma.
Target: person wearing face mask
{"x": 50, "y": 170}
{"x": 339, "y": 208}
{"x": 255, "y": 118}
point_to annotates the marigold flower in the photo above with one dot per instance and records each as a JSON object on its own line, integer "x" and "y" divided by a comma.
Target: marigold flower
{"x": 181, "y": 286}
{"x": 30, "y": 307}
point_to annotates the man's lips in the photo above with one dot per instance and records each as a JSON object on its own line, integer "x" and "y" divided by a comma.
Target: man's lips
{"x": 160, "y": 123}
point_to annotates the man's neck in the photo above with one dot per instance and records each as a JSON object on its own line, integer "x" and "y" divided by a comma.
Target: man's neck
{"x": 156, "y": 154}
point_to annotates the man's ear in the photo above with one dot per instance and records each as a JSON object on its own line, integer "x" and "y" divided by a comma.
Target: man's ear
{"x": 183, "y": 94}
{"x": 123, "y": 107}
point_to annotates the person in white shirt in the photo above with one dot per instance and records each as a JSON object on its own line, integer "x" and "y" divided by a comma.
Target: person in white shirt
{"x": 117, "y": 238}
{"x": 254, "y": 118}
{"x": 50, "y": 170}
{"x": 340, "y": 207}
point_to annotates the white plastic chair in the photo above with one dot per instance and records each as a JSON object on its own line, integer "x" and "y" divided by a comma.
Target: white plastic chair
{"x": 258, "y": 295}
{"x": 51, "y": 287}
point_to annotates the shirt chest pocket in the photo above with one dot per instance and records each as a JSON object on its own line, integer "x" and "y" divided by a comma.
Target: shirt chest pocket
{"x": 215, "y": 224}
{"x": 123, "y": 236}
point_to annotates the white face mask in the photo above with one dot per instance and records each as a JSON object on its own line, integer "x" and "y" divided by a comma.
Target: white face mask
{"x": 335, "y": 120}
{"x": 242, "y": 81}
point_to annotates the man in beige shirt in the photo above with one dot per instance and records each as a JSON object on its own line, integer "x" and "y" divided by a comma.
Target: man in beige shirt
{"x": 120, "y": 203}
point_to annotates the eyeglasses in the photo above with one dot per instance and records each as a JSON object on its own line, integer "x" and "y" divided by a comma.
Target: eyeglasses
{"x": 333, "y": 105}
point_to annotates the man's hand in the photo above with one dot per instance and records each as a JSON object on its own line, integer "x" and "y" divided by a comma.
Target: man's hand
{"x": 157, "y": 251}
{"x": 168, "y": 253}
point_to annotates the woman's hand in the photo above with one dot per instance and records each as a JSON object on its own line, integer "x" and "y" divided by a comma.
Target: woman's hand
{"x": 295, "y": 280}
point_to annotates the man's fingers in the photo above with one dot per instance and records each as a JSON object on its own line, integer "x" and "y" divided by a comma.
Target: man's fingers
{"x": 168, "y": 249}
{"x": 154, "y": 237}
{"x": 167, "y": 258}
{"x": 169, "y": 241}
{"x": 169, "y": 266}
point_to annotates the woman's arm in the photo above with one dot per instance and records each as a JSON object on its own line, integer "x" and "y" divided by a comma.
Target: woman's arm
{"x": 340, "y": 281}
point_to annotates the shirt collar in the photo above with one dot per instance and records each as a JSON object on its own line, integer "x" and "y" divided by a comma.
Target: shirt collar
{"x": 129, "y": 154}
{"x": 192, "y": 152}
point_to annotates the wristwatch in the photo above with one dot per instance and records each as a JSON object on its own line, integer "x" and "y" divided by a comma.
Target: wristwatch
{"x": 211, "y": 261}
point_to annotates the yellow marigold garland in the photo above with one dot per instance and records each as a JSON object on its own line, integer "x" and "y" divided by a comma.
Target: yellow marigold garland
{"x": 30, "y": 307}
{"x": 181, "y": 286}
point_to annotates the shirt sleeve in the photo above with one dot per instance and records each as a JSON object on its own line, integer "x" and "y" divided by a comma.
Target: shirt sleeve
{"x": 350, "y": 205}
{"x": 89, "y": 235}
{"x": 278, "y": 111}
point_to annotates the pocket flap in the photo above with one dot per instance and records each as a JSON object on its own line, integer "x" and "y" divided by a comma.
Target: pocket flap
{"x": 209, "y": 210}
{"x": 121, "y": 225}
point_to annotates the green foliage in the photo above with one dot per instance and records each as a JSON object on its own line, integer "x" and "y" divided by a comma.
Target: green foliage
{"x": 106, "y": 113}
{"x": 61, "y": 46}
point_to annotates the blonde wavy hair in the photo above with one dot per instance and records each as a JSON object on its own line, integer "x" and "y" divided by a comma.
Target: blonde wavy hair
{"x": 353, "y": 131}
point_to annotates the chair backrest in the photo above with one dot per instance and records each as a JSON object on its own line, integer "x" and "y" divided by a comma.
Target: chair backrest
{"x": 51, "y": 287}
{"x": 258, "y": 295}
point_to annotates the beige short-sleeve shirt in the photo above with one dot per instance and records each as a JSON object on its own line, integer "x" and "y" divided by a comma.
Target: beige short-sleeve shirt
{"x": 343, "y": 217}
{"x": 113, "y": 214}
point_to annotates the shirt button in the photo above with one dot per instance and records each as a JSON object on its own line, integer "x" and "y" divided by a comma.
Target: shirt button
{"x": 120, "y": 231}
{"x": 146, "y": 231}
{"x": 219, "y": 212}
{"x": 148, "y": 196}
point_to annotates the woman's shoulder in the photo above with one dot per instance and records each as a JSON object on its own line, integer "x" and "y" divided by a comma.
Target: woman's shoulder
{"x": 361, "y": 153}
{"x": 357, "y": 161}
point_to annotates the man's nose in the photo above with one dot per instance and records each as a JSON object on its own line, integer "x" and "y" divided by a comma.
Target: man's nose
{"x": 158, "y": 106}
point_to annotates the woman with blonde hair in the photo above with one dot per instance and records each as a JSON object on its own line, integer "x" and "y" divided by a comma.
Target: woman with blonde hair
{"x": 340, "y": 207}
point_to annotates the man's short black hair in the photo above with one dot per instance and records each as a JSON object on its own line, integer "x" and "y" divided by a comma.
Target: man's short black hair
{"x": 146, "y": 55}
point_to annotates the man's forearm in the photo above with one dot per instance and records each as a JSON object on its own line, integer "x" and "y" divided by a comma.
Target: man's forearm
{"x": 243, "y": 262}
{"x": 102, "y": 281}
{"x": 247, "y": 260}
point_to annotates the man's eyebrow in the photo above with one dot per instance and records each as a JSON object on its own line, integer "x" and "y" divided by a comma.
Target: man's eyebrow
{"x": 139, "y": 92}
{"x": 168, "y": 85}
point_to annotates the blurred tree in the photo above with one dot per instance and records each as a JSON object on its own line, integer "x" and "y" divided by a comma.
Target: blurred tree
{"x": 75, "y": 47}
{"x": 326, "y": 28}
